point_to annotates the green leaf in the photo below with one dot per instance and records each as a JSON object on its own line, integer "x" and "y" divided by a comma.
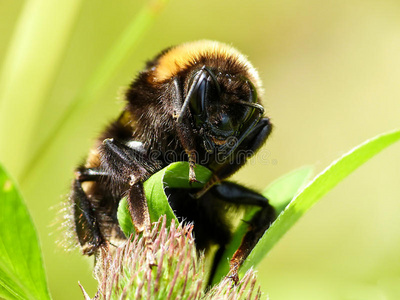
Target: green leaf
{"x": 316, "y": 189}
{"x": 22, "y": 274}
{"x": 279, "y": 193}
{"x": 173, "y": 176}
{"x": 124, "y": 218}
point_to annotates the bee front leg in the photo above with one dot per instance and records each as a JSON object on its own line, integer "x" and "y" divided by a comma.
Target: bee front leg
{"x": 256, "y": 137}
{"x": 185, "y": 136}
{"x": 184, "y": 130}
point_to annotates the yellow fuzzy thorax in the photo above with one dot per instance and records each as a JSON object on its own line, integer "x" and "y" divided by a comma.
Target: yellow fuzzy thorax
{"x": 187, "y": 54}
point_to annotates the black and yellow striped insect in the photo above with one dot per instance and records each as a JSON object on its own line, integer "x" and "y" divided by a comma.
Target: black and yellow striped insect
{"x": 197, "y": 102}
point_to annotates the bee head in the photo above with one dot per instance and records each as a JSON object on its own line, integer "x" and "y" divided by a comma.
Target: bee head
{"x": 207, "y": 84}
{"x": 223, "y": 107}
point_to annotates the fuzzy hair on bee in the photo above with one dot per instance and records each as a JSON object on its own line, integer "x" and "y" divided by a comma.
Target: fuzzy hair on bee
{"x": 197, "y": 102}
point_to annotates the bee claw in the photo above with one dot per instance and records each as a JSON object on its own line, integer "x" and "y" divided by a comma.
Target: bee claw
{"x": 192, "y": 174}
{"x": 151, "y": 260}
{"x": 214, "y": 180}
{"x": 234, "y": 277}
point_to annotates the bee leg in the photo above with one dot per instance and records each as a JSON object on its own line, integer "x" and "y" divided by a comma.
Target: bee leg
{"x": 131, "y": 166}
{"x": 258, "y": 224}
{"x": 86, "y": 225}
{"x": 258, "y": 135}
{"x": 253, "y": 141}
{"x": 124, "y": 162}
{"x": 139, "y": 212}
{"x": 213, "y": 181}
{"x": 248, "y": 147}
{"x": 183, "y": 128}
{"x": 187, "y": 142}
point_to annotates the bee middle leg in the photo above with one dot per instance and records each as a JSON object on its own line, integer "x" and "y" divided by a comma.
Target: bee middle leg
{"x": 128, "y": 165}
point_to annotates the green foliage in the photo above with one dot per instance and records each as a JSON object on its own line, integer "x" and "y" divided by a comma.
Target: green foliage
{"x": 316, "y": 189}
{"x": 26, "y": 60}
{"x": 174, "y": 176}
{"x": 89, "y": 94}
{"x": 21, "y": 268}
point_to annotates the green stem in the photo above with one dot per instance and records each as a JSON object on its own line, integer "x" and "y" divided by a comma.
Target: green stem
{"x": 121, "y": 50}
{"x": 29, "y": 69}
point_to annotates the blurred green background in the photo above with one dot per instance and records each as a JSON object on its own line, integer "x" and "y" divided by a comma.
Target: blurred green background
{"x": 331, "y": 73}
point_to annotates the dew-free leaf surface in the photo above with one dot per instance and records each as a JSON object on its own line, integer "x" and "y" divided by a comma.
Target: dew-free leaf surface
{"x": 22, "y": 274}
{"x": 316, "y": 189}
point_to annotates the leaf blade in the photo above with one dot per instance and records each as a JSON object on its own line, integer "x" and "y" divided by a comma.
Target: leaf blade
{"x": 21, "y": 267}
{"x": 174, "y": 175}
{"x": 316, "y": 189}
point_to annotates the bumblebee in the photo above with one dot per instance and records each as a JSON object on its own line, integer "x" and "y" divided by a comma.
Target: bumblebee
{"x": 201, "y": 102}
